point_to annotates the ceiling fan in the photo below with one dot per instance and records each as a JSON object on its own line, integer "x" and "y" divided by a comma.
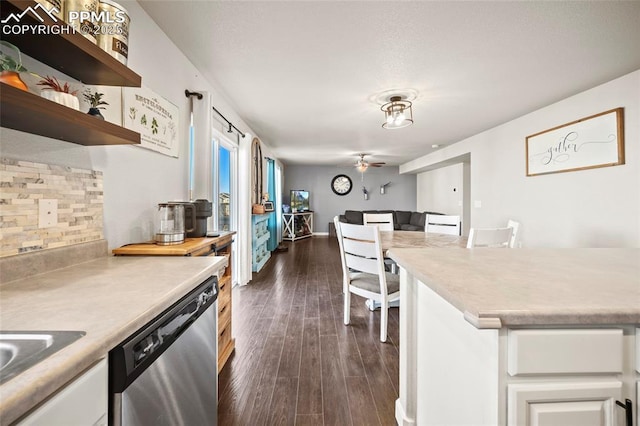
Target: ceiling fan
{"x": 363, "y": 164}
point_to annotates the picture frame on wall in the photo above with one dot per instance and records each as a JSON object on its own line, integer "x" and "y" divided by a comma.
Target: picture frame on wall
{"x": 154, "y": 117}
{"x": 587, "y": 143}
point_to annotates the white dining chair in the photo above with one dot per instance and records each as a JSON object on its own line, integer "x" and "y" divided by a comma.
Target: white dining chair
{"x": 363, "y": 270}
{"x": 442, "y": 224}
{"x": 489, "y": 237}
{"x": 383, "y": 220}
{"x": 514, "y": 236}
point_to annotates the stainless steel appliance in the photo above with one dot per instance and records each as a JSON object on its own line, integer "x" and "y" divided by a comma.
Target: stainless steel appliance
{"x": 170, "y": 222}
{"x": 166, "y": 373}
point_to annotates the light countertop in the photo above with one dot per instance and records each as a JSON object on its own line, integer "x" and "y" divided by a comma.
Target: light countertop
{"x": 494, "y": 288}
{"x": 108, "y": 298}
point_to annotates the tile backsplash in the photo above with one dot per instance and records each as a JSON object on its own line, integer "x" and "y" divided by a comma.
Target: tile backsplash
{"x": 79, "y": 195}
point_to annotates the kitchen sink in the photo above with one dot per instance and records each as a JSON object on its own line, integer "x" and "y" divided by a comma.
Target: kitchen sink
{"x": 20, "y": 350}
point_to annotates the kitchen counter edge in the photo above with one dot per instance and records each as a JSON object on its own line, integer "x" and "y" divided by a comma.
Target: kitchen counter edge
{"x": 495, "y": 288}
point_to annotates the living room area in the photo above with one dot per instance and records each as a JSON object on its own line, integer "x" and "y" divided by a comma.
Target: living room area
{"x": 399, "y": 191}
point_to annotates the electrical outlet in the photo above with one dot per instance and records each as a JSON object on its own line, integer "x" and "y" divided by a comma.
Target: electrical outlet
{"x": 47, "y": 213}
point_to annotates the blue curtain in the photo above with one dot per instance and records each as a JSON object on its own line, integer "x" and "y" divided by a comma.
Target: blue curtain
{"x": 271, "y": 189}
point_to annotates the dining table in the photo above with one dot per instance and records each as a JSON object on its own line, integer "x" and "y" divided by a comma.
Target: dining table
{"x": 413, "y": 239}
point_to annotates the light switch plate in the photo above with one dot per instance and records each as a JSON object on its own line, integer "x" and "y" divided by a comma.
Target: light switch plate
{"x": 47, "y": 213}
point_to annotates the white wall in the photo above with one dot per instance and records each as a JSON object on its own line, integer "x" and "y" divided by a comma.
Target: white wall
{"x": 135, "y": 179}
{"x": 443, "y": 190}
{"x": 589, "y": 208}
{"x": 440, "y": 190}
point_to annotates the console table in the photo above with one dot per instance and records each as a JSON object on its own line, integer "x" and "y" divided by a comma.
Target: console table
{"x": 297, "y": 225}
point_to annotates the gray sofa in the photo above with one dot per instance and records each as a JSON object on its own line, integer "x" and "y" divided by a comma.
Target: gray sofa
{"x": 402, "y": 220}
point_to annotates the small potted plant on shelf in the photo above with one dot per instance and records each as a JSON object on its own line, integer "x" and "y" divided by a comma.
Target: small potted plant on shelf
{"x": 95, "y": 100}
{"x": 11, "y": 62}
{"x": 60, "y": 93}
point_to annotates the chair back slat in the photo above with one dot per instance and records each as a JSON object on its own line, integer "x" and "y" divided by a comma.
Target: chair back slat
{"x": 359, "y": 247}
{"x": 443, "y": 224}
{"x": 494, "y": 237}
{"x": 356, "y": 232}
{"x": 362, "y": 264}
{"x": 384, "y": 221}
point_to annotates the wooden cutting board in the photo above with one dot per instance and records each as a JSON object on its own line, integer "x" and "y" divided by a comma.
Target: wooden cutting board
{"x": 189, "y": 247}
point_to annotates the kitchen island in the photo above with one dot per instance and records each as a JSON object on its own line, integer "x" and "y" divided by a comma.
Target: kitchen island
{"x": 108, "y": 298}
{"x": 518, "y": 337}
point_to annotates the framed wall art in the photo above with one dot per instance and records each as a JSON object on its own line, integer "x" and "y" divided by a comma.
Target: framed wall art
{"x": 154, "y": 117}
{"x": 594, "y": 141}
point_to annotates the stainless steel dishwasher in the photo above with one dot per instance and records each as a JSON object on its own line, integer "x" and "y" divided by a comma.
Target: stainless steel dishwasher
{"x": 166, "y": 373}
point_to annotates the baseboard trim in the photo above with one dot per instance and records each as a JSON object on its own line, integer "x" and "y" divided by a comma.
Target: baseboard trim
{"x": 401, "y": 418}
{"x": 320, "y": 234}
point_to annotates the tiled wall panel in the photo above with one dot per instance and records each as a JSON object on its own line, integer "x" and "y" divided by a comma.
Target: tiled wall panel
{"x": 80, "y": 205}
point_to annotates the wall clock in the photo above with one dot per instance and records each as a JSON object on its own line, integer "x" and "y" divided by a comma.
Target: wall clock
{"x": 341, "y": 184}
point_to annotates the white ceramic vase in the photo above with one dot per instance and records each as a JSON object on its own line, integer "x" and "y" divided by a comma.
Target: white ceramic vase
{"x": 62, "y": 98}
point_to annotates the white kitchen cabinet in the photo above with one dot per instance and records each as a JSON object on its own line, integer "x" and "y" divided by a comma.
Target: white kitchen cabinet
{"x": 565, "y": 351}
{"x": 590, "y": 403}
{"x": 84, "y": 401}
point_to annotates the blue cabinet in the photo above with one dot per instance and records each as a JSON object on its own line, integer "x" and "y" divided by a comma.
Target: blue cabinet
{"x": 260, "y": 237}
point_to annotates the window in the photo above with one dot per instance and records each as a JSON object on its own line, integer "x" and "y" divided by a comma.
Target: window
{"x": 224, "y": 189}
{"x": 224, "y": 184}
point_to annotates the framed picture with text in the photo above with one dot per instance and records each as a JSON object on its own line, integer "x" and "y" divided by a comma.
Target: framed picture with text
{"x": 594, "y": 141}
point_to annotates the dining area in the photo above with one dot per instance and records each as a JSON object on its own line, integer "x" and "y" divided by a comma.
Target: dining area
{"x": 376, "y": 279}
{"x": 516, "y": 337}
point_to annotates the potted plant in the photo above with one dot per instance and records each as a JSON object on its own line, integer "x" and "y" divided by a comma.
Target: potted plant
{"x": 62, "y": 94}
{"x": 95, "y": 100}
{"x": 11, "y": 62}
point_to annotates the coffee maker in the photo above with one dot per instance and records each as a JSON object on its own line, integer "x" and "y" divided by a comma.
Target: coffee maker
{"x": 203, "y": 211}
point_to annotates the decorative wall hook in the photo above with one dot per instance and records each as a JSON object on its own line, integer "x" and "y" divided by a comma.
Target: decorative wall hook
{"x": 383, "y": 188}
{"x": 365, "y": 192}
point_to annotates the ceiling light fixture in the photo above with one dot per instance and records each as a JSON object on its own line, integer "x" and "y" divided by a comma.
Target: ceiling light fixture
{"x": 397, "y": 113}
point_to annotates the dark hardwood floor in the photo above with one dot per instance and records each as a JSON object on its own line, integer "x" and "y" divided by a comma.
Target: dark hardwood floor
{"x": 295, "y": 362}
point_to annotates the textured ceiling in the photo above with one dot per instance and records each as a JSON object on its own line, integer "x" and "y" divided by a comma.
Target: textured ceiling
{"x": 304, "y": 74}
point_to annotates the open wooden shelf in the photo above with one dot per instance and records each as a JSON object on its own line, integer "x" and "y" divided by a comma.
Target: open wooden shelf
{"x": 72, "y": 54}
{"x": 31, "y": 113}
